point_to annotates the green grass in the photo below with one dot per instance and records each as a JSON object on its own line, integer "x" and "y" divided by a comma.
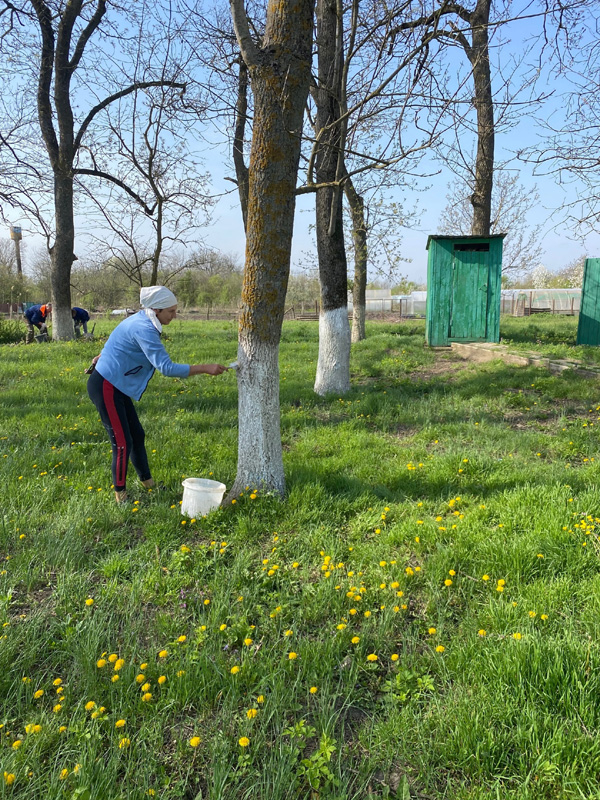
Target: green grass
{"x": 551, "y": 335}
{"x": 442, "y": 516}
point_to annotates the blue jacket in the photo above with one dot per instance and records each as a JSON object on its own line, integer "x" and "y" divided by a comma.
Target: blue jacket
{"x": 131, "y": 354}
{"x": 34, "y": 315}
{"x": 81, "y": 315}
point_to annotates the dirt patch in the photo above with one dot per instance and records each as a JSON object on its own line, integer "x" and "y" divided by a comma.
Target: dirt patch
{"x": 23, "y": 603}
{"x": 405, "y": 432}
{"x": 443, "y": 365}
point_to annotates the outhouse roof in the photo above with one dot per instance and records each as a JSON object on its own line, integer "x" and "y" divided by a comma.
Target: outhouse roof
{"x": 459, "y": 238}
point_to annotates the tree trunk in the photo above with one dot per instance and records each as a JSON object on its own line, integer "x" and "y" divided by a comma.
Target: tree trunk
{"x": 359, "y": 239}
{"x": 280, "y": 74}
{"x": 241, "y": 117}
{"x": 333, "y": 366}
{"x": 62, "y": 258}
{"x": 159, "y": 241}
{"x": 478, "y": 54}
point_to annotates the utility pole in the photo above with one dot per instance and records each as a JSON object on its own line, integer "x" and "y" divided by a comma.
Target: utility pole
{"x": 15, "y": 235}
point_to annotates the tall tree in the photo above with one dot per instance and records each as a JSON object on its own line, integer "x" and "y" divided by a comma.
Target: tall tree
{"x": 333, "y": 364}
{"x": 65, "y": 32}
{"x": 359, "y": 240}
{"x": 362, "y": 97}
{"x": 471, "y": 32}
{"x": 279, "y": 69}
{"x": 149, "y": 149}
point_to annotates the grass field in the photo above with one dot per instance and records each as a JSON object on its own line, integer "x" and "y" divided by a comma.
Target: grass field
{"x": 418, "y": 619}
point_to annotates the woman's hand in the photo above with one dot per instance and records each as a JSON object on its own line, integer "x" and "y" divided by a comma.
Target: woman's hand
{"x": 207, "y": 369}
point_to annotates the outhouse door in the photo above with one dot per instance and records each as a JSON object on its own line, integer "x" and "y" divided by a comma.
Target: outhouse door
{"x": 469, "y": 298}
{"x": 588, "y": 329}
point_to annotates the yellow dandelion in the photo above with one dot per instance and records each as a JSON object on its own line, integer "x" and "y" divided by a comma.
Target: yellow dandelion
{"x": 120, "y": 723}
{"x": 251, "y": 713}
{"x": 182, "y": 638}
{"x": 162, "y": 679}
{"x": 440, "y": 648}
{"x": 101, "y": 663}
{"x": 124, "y": 742}
{"x": 163, "y": 654}
{"x": 244, "y": 741}
{"x": 292, "y": 656}
{"x": 313, "y": 690}
{"x": 371, "y": 657}
{"x": 195, "y": 741}
{"x": 394, "y": 656}
{"x": 38, "y": 694}
{"x": 90, "y": 705}
{"x": 234, "y": 670}
{"x": 89, "y": 601}
{"x": 146, "y": 697}
{"x": 481, "y": 632}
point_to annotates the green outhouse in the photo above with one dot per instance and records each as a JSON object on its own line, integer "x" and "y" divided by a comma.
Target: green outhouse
{"x": 463, "y": 289}
{"x": 588, "y": 329}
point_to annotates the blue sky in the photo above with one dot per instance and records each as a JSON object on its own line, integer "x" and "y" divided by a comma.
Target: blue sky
{"x": 559, "y": 244}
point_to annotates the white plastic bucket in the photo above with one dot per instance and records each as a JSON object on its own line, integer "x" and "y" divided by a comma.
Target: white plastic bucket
{"x": 200, "y": 496}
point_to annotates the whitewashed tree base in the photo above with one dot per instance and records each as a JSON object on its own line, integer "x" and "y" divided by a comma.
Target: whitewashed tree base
{"x": 62, "y": 324}
{"x": 260, "y": 454}
{"x": 333, "y": 367}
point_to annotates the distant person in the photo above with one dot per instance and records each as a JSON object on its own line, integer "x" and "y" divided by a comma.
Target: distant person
{"x": 37, "y": 316}
{"x": 120, "y": 374}
{"x": 80, "y": 320}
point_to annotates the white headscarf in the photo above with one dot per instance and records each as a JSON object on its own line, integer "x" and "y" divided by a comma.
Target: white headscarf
{"x": 152, "y": 297}
{"x": 157, "y": 297}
